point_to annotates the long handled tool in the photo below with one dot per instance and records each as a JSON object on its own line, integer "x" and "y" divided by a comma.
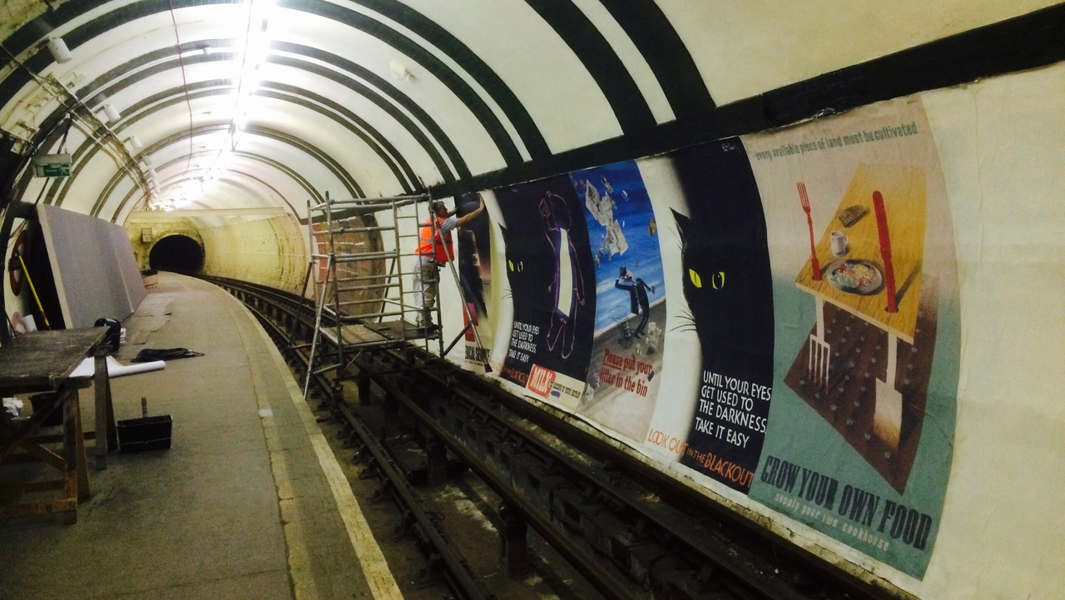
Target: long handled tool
{"x": 33, "y": 289}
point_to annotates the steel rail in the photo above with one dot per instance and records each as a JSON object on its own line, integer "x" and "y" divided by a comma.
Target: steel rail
{"x": 673, "y": 523}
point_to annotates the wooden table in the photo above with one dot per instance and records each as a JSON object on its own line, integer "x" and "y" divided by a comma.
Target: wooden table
{"x": 904, "y": 193}
{"x": 904, "y": 198}
{"x": 42, "y": 362}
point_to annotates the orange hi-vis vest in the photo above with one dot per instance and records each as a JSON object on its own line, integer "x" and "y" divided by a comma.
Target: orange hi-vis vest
{"x": 425, "y": 241}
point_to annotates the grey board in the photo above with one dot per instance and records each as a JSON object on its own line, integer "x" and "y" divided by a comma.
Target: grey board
{"x": 96, "y": 275}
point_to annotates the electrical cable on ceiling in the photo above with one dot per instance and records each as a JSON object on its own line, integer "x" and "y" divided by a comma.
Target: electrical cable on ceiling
{"x": 185, "y": 82}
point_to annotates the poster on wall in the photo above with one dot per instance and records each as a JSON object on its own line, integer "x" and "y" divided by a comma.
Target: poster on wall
{"x": 725, "y": 278}
{"x": 474, "y": 265}
{"x": 860, "y": 430}
{"x": 552, "y": 282}
{"x": 630, "y": 308}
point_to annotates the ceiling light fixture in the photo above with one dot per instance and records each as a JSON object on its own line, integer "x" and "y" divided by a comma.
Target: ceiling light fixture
{"x": 59, "y": 50}
{"x": 135, "y": 142}
{"x": 112, "y": 113}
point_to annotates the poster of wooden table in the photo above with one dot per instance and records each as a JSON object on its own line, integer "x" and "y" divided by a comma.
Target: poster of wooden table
{"x": 860, "y": 432}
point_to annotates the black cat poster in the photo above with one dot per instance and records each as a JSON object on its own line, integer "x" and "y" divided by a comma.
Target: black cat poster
{"x": 552, "y": 281}
{"x": 727, "y": 284}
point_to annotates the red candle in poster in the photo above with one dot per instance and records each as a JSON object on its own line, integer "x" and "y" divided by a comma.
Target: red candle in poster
{"x": 885, "y": 250}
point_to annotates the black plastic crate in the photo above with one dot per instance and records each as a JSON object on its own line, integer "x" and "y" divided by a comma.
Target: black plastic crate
{"x": 147, "y": 433}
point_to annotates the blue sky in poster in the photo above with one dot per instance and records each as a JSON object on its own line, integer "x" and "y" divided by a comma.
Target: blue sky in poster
{"x": 634, "y": 213}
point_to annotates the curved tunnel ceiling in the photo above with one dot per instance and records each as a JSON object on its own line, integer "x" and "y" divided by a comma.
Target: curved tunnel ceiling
{"x": 268, "y": 103}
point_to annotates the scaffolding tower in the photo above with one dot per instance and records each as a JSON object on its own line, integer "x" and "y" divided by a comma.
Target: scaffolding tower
{"x": 362, "y": 253}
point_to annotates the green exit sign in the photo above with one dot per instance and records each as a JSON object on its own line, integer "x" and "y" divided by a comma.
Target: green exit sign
{"x": 51, "y": 165}
{"x": 52, "y": 170}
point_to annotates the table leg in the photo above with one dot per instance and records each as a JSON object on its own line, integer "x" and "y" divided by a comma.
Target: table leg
{"x": 105, "y": 414}
{"x": 887, "y": 415}
{"x": 82, "y": 464}
{"x": 71, "y": 440}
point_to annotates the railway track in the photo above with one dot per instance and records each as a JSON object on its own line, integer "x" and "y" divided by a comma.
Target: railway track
{"x": 631, "y": 531}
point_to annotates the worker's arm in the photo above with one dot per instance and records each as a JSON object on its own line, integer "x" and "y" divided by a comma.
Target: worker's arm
{"x": 466, "y": 218}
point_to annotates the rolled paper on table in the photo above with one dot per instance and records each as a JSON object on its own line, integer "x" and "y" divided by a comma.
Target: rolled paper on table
{"x": 116, "y": 369}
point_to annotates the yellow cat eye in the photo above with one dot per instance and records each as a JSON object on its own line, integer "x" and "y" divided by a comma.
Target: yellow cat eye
{"x": 510, "y": 264}
{"x": 696, "y": 280}
{"x": 718, "y": 280}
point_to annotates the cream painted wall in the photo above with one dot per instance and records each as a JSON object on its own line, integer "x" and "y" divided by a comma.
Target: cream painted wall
{"x": 1002, "y": 146}
{"x": 747, "y": 48}
{"x": 270, "y": 251}
{"x": 1002, "y": 535}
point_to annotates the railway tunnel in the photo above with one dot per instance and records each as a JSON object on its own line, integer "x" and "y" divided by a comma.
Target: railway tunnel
{"x": 803, "y": 262}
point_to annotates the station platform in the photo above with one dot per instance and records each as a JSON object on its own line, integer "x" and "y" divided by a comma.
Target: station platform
{"x": 249, "y": 502}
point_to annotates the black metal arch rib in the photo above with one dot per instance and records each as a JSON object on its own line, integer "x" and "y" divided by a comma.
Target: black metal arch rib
{"x": 427, "y": 60}
{"x": 666, "y": 54}
{"x": 471, "y": 63}
{"x": 89, "y": 149}
{"x": 300, "y": 180}
{"x": 32, "y": 31}
{"x": 314, "y": 152}
{"x": 125, "y": 75}
{"x": 621, "y": 91}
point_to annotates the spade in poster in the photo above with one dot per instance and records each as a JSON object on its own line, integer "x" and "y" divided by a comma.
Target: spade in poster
{"x": 861, "y": 427}
{"x": 630, "y": 294}
{"x": 552, "y": 281}
{"x": 728, "y": 288}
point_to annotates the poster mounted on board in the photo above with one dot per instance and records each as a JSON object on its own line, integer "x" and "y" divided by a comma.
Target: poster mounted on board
{"x": 630, "y": 295}
{"x": 473, "y": 258}
{"x": 716, "y": 428}
{"x": 860, "y": 431}
{"x": 552, "y": 284}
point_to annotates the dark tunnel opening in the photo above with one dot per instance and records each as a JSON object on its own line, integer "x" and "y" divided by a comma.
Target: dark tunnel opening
{"x": 177, "y": 253}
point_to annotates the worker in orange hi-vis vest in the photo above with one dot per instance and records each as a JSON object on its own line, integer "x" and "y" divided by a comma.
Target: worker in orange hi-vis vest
{"x": 430, "y": 256}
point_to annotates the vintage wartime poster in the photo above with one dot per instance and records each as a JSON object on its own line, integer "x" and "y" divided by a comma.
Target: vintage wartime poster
{"x": 860, "y": 430}
{"x": 552, "y": 283}
{"x": 473, "y": 260}
{"x": 630, "y": 299}
{"x": 726, "y": 283}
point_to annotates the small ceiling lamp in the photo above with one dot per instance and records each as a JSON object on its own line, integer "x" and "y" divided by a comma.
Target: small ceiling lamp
{"x": 147, "y": 160}
{"x": 112, "y": 113}
{"x": 135, "y": 142}
{"x": 59, "y": 50}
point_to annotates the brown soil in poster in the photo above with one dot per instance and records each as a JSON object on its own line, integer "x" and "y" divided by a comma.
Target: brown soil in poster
{"x": 858, "y": 358}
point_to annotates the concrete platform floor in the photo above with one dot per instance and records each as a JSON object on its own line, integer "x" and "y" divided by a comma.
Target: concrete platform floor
{"x": 249, "y": 502}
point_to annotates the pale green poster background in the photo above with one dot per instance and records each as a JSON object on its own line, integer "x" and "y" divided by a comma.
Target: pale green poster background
{"x": 851, "y": 451}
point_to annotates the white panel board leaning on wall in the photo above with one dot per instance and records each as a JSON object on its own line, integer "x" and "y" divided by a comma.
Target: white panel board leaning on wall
{"x": 95, "y": 272}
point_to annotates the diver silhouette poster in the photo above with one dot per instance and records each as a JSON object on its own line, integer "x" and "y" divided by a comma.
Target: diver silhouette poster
{"x": 860, "y": 434}
{"x": 630, "y": 309}
{"x": 552, "y": 283}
